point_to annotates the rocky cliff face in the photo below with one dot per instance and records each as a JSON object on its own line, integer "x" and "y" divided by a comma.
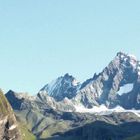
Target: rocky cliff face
{"x": 118, "y": 81}
{"x": 8, "y": 125}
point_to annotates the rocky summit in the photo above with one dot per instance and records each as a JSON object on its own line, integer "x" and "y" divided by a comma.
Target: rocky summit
{"x": 64, "y": 86}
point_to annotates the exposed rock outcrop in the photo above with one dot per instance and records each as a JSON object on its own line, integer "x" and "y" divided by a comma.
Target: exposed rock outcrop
{"x": 8, "y": 125}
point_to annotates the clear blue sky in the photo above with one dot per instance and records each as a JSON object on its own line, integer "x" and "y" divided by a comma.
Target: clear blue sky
{"x": 43, "y": 39}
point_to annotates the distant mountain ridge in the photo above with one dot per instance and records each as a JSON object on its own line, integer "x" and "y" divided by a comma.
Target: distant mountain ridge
{"x": 119, "y": 80}
{"x": 117, "y": 85}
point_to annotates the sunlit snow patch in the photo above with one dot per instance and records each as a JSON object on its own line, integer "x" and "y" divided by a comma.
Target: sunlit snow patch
{"x": 125, "y": 89}
{"x": 98, "y": 109}
{"x": 103, "y": 110}
{"x": 82, "y": 109}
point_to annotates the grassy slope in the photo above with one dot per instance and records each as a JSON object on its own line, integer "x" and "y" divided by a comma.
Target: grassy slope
{"x": 26, "y": 134}
{"x": 52, "y": 129}
{"x": 4, "y": 105}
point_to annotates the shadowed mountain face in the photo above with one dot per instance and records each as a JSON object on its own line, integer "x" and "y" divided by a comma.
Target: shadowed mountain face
{"x": 99, "y": 131}
{"x": 53, "y": 112}
{"x": 8, "y": 125}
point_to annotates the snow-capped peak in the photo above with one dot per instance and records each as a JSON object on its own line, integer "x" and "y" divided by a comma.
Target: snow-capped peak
{"x": 64, "y": 86}
{"x": 126, "y": 59}
{"x": 75, "y": 82}
{"x": 131, "y": 56}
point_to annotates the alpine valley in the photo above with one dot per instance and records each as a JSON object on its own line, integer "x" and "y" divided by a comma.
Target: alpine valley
{"x": 104, "y": 107}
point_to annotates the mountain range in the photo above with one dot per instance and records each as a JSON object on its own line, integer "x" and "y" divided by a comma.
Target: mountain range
{"x": 117, "y": 85}
{"x": 104, "y": 107}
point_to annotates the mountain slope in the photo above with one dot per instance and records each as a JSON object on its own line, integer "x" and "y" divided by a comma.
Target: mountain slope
{"x": 8, "y": 125}
{"x": 47, "y": 122}
{"x": 99, "y": 131}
